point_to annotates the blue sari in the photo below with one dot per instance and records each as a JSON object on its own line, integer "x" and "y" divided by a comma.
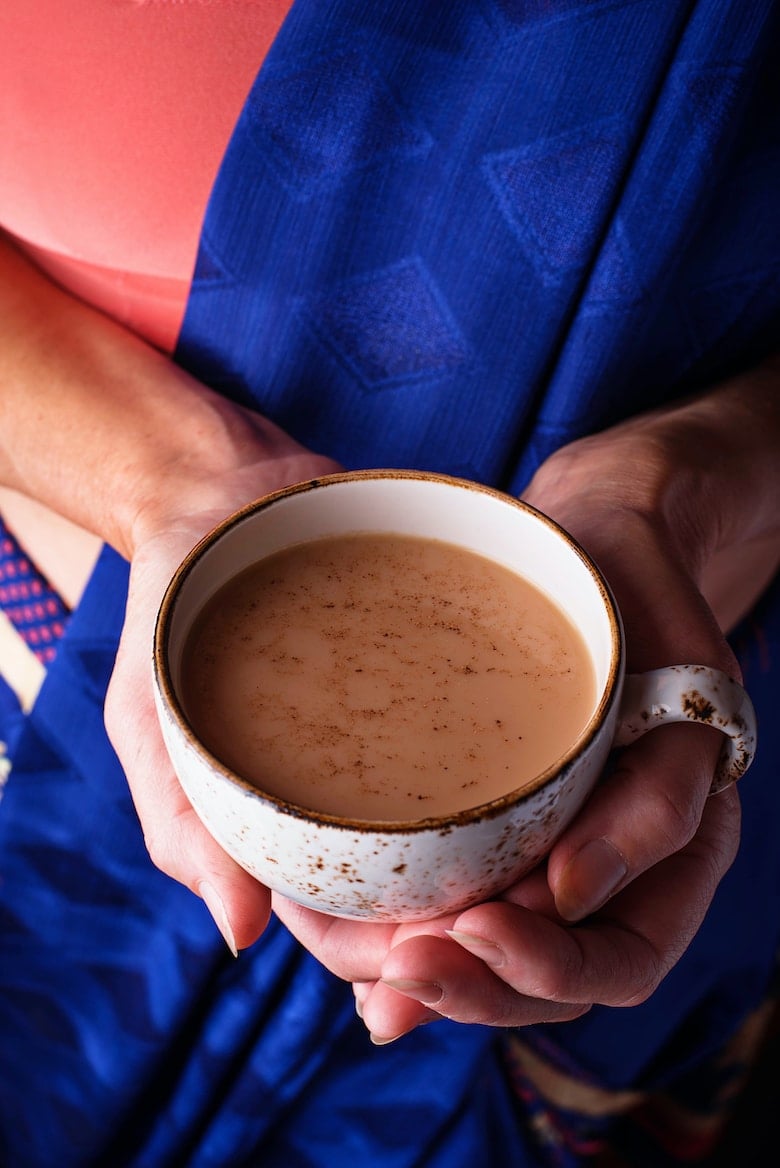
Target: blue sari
{"x": 451, "y": 237}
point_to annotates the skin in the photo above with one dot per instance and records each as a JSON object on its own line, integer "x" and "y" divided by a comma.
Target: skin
{"x": 673, "y": 505}
{"x": 567, "y": 937}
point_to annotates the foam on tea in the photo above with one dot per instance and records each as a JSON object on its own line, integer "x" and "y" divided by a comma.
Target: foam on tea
{"x": 385, "y": 677}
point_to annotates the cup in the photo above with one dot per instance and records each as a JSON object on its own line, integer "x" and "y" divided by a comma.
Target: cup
{"x": 417, "y": 868}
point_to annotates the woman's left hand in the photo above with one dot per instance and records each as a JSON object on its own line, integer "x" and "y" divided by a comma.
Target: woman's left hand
{"x": 627, "y": 886}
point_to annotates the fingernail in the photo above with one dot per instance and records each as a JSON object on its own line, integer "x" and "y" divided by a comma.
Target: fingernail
{"x": 213, "y": 903}
{"x": 426, "y": 992}
{"x": 377, "y": 1041}
{"x": 359, "y": 1009}
{"x": 589, "y": 879}
{"x": 487, "y": 951}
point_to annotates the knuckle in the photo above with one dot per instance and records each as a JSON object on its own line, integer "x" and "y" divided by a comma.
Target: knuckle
{"x": 642, "y": 973}
{"x": 644, "y": 990}
{"x": 675, "y": 820}
{"x": 533, "y": 1011}
{"x": 568, "y": 972}
{"x": 501, "y": 1014}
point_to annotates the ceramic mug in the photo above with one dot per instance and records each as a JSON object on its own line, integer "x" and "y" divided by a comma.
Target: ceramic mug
{"x": 421, "y": 868}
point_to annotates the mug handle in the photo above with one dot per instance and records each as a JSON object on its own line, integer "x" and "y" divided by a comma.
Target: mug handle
{"x": 692, "y": 693}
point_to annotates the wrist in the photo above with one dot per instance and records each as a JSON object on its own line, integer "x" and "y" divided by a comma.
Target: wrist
{"x": 217, "y": 458}
{"x": 707, "y": 468}
{"x": 720, "y": 505}
{"x": 221, "y": 458}
{"x": 699, "y": 479}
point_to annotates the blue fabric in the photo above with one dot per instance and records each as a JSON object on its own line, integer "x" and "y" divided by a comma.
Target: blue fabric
{"x": 130, "y": 1036}
{"x": 443, "y": 236}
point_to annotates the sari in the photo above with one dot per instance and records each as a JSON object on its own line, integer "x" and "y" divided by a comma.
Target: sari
{"x": 448, "y": 237}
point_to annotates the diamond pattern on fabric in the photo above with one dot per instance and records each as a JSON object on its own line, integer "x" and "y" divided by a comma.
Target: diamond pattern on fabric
{"x": 711, "y": 94}
{"x": 35, "y": 610}
{"x": 716, "y": 310}
{"x": 554, "y": 193}
{"x": 208, "y": 267}
{"x": 390, "y": 327}
{"x": 614, "y": 280}
{"x": 305, "y": 122}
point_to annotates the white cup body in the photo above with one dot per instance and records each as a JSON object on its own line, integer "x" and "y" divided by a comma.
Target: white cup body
{"x": 414, "y": 869}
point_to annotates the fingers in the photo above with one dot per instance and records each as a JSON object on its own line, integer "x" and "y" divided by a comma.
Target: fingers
{"x": 647, "y": 808}
{"x": 519, "y": 960}
{"x": 388, "y": 1015}
{"x": 629, "y": 883}
{"x": 179, "y": 844}
{"x": 505, "y": 965}
{"x": 516, "y": 961}
{"x": 447, "y": 978}
{"x": 353, "y": 950}
{"x": 177, "y": 841}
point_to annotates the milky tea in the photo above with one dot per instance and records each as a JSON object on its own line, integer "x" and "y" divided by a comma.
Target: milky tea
{"x": 385, "y": 677}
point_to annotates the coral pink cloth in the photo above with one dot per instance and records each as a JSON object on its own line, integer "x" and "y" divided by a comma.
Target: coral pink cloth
{"x": 114, "y": 115}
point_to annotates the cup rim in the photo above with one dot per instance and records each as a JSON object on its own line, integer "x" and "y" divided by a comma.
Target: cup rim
{"x": 482, "y": 811}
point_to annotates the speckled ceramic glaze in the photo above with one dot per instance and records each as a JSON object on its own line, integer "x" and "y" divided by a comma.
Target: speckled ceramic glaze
{"x": 423, "y": 868}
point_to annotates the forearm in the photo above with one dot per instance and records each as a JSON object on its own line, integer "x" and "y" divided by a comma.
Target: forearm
{"x": 95, "y": 423}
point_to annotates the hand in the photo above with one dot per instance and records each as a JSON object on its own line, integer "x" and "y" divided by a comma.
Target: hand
{"x": 177, "y": 841}
{"x": 147, "y": 459}
{"x": 627, "y": 886}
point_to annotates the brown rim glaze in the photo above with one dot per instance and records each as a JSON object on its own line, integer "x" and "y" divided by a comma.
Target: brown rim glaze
{"x": 482, "y": 811}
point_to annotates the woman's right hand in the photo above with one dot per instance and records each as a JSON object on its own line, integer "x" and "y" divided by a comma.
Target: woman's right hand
{"x": 177, "y": 841}
{"x": 148, "y": 459}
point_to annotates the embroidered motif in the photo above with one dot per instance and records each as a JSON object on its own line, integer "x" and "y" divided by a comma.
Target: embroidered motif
{"x": 390, "y": 327}
{"x": 32, "y": 606}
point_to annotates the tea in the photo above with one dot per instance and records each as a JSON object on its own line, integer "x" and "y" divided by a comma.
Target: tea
{"x": 385, "y": 677}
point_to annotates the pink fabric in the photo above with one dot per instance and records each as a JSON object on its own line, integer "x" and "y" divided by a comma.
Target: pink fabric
{"x": 114, "y": 115}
